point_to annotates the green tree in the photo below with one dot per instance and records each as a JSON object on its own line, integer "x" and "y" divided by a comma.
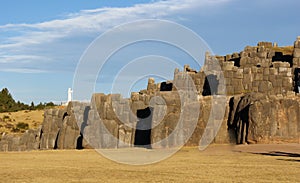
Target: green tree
{"x": 8, "y": 104}
{"x": 32, "y": 106}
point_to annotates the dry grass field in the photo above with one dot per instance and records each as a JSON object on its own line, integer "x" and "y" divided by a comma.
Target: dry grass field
{"x": 218, "y": 163}
{"x": 286, "y": 50}
{"x": 9, "y": 120}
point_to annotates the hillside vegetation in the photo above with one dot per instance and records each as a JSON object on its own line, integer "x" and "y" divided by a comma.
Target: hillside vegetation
{"x": 19, "y": 122}
{"x": 8, "y": 104}
{"x": 17, "y": 117}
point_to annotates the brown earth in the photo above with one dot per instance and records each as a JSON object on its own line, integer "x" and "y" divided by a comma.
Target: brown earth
{"x": 218, "y": 163}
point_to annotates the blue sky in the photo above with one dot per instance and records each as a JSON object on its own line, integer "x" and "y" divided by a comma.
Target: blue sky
{"x": 41, "y": 42}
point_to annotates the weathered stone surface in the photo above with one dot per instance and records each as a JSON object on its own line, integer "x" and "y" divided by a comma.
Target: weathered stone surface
{"x": 297, "y": 43}
{"x": 263, "y": 119}
{"x": 30, "y": 140}
{"x": 265, "y": 86}
{"x": 228, "y": 65}
{"x": 296, "y": 52}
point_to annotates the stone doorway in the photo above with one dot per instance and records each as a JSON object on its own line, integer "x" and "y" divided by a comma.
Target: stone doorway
{"x": 56, "y": 141}
{"x": 79, "y": 142}
{"x": 210, "y": 86}
{"x": 297, "y": 80}
{"x": 143, "y": 128}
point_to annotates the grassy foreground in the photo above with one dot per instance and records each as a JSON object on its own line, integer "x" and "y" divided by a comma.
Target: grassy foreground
{"x": 219, "y": 163}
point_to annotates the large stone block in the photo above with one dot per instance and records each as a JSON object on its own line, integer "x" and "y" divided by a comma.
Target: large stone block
{"x": 260, "y": 70}
{"x": 266, "y": 71}
{"x": 262, "y": 54}
{"x": 228, "y": 65}
{"x": 244, "y": 61}
{"x": 254, "y": 88}
{"x": 265, "y": 77}
{"x": 248, "y": 78}
{"x": 258, "y": 77}
{"x": 265, "y": 86}
{"x": 237, "y": 82}
{"x": 253, "y": 54}
{"x": 296, "y": 53}
{"x": 248, "y": 87}
{"x": 287, "y": 82}
{"x": 134, "y": 96}
{"x": 274, "y": 71}
{"x": 276, "y": 64}
{"x": 269, "y": 119}
{"x": 238, "y": 74}
{"x": 239, "y": 89}
{"x": 277, "y": 83}
{"x": 297, "y": 43}
{"x": 229, "y": 90}
{"x": 254, "y": 69}
{"x": 247, "y": 70}
{"x": 271, "y": 54}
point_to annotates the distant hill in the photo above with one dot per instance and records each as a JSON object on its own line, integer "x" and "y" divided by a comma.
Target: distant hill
{"x": 8, "y": 104}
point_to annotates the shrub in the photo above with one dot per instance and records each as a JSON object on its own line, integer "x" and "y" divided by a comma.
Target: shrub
{"x": 5, "y": 117}
{"x": 15, "y": 130}
{"x": 8, "y": 125}
{"x": 22, "y": 125}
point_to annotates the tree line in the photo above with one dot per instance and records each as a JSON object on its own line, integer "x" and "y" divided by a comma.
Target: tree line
{"x": 8, "y": 104}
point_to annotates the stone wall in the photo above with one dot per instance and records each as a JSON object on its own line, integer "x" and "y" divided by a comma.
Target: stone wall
{"x": 257, "y": 84}
{"x": 259, "y": 118}
{"x": 111, "y": 118}
{"x": 30, "y": 140}
{"x": 274, "y": 120}
{"x": 256, "y": 69}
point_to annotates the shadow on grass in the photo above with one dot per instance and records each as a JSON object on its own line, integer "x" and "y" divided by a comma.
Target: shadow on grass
{"x": 292, "y": 160}
{"x": 280, "y": 153}
{"x": 283, "y": 154}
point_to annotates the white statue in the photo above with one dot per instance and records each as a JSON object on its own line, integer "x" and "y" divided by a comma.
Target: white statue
{"x": 70, "y": 92}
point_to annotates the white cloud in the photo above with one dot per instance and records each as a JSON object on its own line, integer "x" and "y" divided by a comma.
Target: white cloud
{"x": 23, "y": 70}
{"x": 33, "y": 40}
{"x": 20, "y": 58}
